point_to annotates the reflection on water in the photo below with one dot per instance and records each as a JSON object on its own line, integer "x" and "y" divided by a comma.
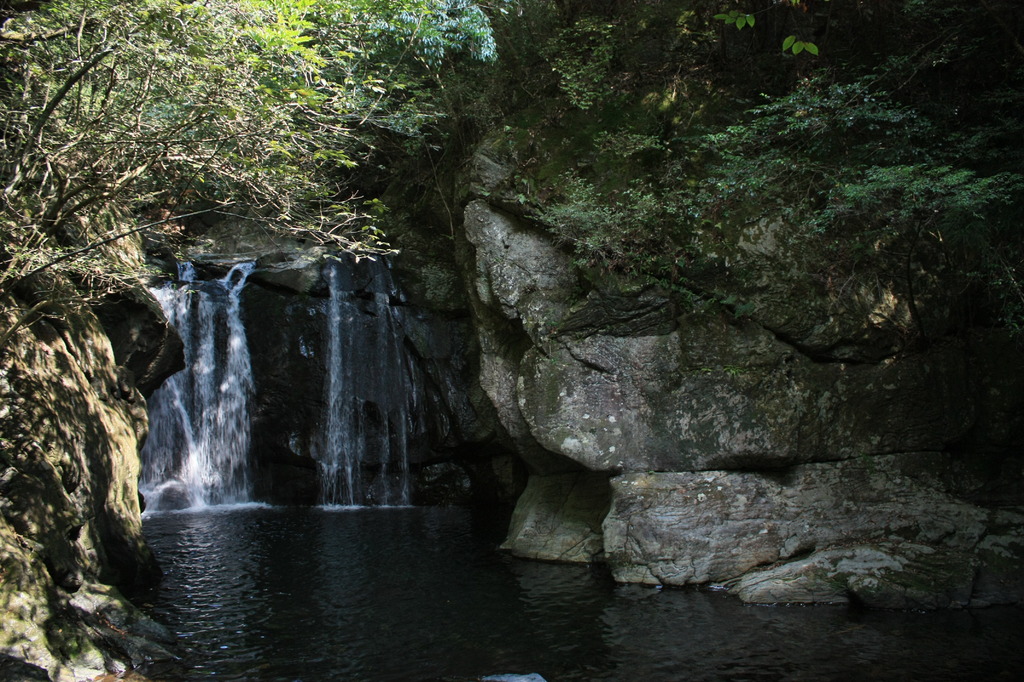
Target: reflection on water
{"x": 420, "y": 594}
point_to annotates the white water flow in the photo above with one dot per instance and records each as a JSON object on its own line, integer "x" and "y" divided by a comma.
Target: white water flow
{"x": 370, "y": 401}
{"x": 197, "y": 450}
{"x": 340, "y": 459}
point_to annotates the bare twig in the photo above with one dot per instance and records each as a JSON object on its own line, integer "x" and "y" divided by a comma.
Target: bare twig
{"x": 47, "y": 112}
{"x": 101, "y": 242}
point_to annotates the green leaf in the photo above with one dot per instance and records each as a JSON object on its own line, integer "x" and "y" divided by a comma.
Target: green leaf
{"x": 722, "y": 17}
{"x": 798, "y": 47}
{"x": 812, "y": 48}
{"x": 741, "y": 22}
{"x": 750, "y": 20}
{"x": 788, "y": 43}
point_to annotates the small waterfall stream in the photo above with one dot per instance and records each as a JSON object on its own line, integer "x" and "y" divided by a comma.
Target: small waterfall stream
{"x": 356, "y": 383}
{"x": 370, "y": 397}
{"x": 197, "y": 450}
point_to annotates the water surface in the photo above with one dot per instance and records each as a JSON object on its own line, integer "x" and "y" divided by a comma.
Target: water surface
{"x": 400, "y": 594}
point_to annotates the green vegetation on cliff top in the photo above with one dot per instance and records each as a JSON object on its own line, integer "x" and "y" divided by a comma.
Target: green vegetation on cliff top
{"x": 646, "y": 134}
{"x": 654, "y": 134}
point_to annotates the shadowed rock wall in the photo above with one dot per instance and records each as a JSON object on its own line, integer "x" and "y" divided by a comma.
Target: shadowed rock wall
{"x": 71, "y": 421}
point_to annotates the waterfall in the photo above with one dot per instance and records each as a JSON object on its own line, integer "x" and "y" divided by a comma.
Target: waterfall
{"x": 371, "y": 400}
{"x": 197, "y": 450}
{"x": 340, "y": 459}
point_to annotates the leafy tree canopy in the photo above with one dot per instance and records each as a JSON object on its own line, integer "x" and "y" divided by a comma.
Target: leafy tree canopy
{"x": 155, "y": 105}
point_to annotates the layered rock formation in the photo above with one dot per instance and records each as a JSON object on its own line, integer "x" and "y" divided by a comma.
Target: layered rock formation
{"x": 797, "y": 452}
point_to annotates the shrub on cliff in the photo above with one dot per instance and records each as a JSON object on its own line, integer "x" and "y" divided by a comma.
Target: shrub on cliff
{"x": 897, "y": 147}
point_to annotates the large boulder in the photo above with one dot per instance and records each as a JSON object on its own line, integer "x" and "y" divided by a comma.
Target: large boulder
{"x": 888, "y": 575}
{"x": 580, "y": 376}
{"x": 789, "y": 445}
{"x": 673, "y": 403}
{"x": 880, "y": 530}
{"x": 558, "y": 518}
{"x": 70, "y": 522}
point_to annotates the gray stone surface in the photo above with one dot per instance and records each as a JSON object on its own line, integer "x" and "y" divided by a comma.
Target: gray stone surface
{"x": 295, "y": 271}
{"x": 793, "y": 452}
{"x": 146, "y": 349}
{"x": 885, "y": 575}
{"x": 713, "y": 526}
{"x": 70, "y": 526}
{"x": 639, "y": 403}
{"x": 875, "y": 530}
{"x": 519, "y": 272}
{"x": 558, "y": 518}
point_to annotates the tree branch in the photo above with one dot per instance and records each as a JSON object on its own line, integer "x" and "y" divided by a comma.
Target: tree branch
{"x": 25, "y": 38}
{"x": 47, "y": 112}
{"x": 101, "y": 242}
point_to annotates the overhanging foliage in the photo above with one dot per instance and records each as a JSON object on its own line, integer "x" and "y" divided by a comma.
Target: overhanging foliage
{"x": 158, "y": 106}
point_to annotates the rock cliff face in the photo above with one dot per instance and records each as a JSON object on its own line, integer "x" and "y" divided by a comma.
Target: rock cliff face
{"x": 287, "y": 334}
{"x": 71, "y": 420}
{"x": 791, "y": 453}
{"x": 446, "y": 422}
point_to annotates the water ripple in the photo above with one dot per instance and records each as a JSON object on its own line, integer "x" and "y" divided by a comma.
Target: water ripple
{"x": 402, "y": 594}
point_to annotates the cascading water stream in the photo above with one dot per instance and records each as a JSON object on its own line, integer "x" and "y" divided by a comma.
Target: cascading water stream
{"x": 197, "y": 450}
{"x": 341, "y": 455}
{"x": 370, "y": 398}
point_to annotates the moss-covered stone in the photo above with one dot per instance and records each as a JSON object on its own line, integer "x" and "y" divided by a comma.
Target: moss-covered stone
{"x": 70, "y": 428}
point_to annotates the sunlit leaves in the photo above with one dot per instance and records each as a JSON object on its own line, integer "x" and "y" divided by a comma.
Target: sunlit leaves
{"x": 737, "y": 19}
{"x": 433, "y": 29}
{"x": 254, "y": 101}
{"x": 581, "y": 55}
{"x": 791, "y": 44}
{"x": 797, "y": 46}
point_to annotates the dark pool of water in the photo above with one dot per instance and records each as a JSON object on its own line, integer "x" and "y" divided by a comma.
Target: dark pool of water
{"x": 421, "y": 594}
